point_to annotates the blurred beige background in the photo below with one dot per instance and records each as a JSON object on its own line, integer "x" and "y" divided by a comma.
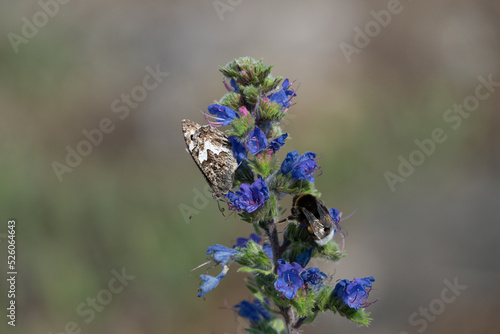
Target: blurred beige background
{"x": 119, "y": 206}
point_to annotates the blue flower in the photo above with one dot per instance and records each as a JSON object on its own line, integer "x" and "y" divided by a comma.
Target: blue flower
{"x": 242, "y": 242}
{"x": 221, "y": 253}
{"x": 302, "y": 167}
{"x": 239, "y": 150}
{"x": 289, "y": 280}
{"x": 277, "y": 143}
{"x": 355, "y": 293}
{"x": 235, "y": 85}
{"x": 254, "y": 311}
{"x": 223, "y": 115}
{"x": 257, "y": 141}
{"x": 268, "y": 250}
{"x": 303, "y": 258}
{"x": 284, "y": 96}
{"x": 211, "y": 282}
{"x": 313, "y": 276}
{"x": 289, "y": 162}
{"x": 335, "y": 214}
{"x": 250, "y": 197}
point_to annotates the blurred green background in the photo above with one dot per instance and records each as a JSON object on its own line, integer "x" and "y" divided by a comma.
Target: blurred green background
{"x": 119, "y": 207}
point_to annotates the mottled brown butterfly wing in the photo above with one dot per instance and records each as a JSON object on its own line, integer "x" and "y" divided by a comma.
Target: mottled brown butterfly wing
{"x": 212, "y": 152}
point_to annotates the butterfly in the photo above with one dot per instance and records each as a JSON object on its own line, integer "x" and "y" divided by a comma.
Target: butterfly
{"x": 213, "y": 154}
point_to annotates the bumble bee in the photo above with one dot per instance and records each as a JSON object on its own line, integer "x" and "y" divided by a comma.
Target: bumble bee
{"x": 310, "y": 212}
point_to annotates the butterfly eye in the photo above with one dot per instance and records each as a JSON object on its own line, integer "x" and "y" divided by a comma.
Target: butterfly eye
{"x": 192, "y": 137}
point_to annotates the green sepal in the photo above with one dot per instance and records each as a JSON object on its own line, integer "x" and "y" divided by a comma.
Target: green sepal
{"x": 271, "y": 111}
{"x": 298, "y": 246}
{"x": 231, "y": 100}
{"x": 243, "y": 174}
{"x": 275, "y": 131}
{"x": 270, "y": 326}
{"x": 304, "y": 304}
{"x": 241, "y": 127}
{"x": 323, "y": 298}
{"x": 246, "y": 71}
{"x": 253, "y": 259}
{"x": 263, "y": 164}
{"x": 357, "y": 316}
{"x": 270, "y": 83}
{"x": 271, "y": 207}
{"x": 265, "y": 284}
{"x": 251, "y": 94}
{"x": 284, "y": 184}
{"x": 330, "y": 251}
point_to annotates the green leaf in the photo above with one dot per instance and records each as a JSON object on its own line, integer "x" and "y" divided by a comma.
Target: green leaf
{"x": 254, "y": 270}
{"x": 257, "y": 294}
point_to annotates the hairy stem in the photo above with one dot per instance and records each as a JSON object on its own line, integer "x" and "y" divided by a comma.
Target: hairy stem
{"x": 289, "y": 317}
{"x": 272, "y": 234}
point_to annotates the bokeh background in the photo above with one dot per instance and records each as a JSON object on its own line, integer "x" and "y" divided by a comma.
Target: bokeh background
{"x": 119, "y": 208}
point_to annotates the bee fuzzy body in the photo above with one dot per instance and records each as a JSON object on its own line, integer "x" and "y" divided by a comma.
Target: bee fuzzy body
{"x": 311, "y": 213}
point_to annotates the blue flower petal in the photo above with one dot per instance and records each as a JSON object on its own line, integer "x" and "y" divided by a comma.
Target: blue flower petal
{"x": 277, "y": 143}
{"x": 354, "y": 294}
{"x": 254, "y": 311}
{"x": 257, "y": 141}
{"x": 235, "y": 85}
{"x": 289, "y": 280}
{"x": 239, "y": 150}
{"x": 211, "y": 282}
{"x": 221, "y": 253}
{"x": 303, "y": 258}
{"x": 268, "y": 250}
{"x": 284, "y": 96}
{"x": 249, "y": 197}
{"x": 224, "y": 114}
{"x": 289, "y": 162}
{"x": 313, "y": 276}
{"x": 242, "y": 242}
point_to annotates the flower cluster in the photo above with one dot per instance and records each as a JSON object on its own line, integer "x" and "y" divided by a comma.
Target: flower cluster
{"x": 252, "y": 111}
{"x": 293, "y": 277}
{"x": 354, "y": 294}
